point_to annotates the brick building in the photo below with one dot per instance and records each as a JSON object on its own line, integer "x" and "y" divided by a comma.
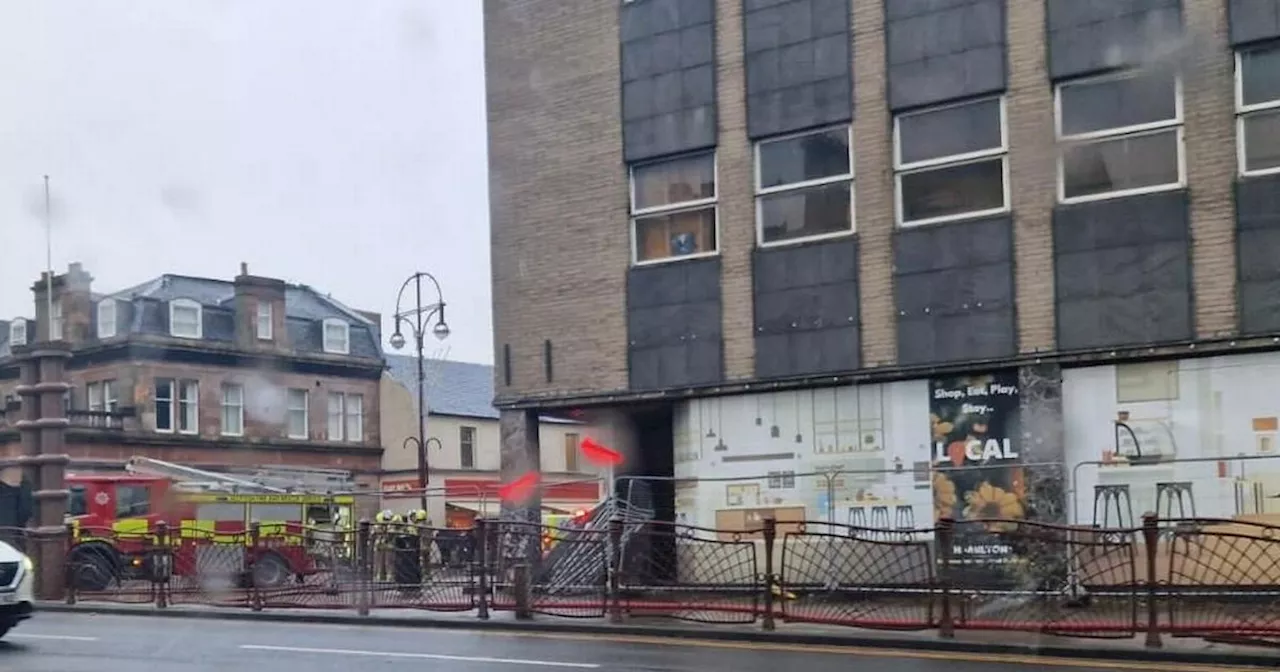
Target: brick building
{"x": 1029, "y": 239}
{"x": 204, "y": 372}
{"x": 463, "y": 436}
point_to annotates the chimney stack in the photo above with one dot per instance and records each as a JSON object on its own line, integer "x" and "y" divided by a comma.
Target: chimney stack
{"x": 255, "y": 296}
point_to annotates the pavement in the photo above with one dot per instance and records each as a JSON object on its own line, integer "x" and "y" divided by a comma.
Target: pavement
{"x": 84, "y": 642}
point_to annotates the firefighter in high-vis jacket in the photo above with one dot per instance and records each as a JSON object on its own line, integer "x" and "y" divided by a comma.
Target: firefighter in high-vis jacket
{"x": 408, "y": 549}
{"x": 383, "y": 536}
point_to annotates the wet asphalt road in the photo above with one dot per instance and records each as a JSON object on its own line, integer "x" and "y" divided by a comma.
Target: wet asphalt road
{"x": 85, "y": 643}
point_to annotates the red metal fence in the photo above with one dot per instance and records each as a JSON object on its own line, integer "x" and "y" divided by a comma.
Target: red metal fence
{"x": 1211, "y": 579}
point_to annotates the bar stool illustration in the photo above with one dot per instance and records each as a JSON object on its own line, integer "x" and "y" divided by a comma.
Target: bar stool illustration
{"x": 1112, "y": 499}
{"x": 857, "y": 518}
{"x": 1175, "y": 492}
{"x": 904, "y": 517}
{"x": 880, "y": 520}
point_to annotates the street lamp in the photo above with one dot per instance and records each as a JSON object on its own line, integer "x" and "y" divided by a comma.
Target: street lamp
{"x": 417, "y": 320}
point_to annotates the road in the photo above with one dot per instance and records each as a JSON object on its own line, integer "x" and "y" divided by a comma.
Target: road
{"x": 87, "y": 643}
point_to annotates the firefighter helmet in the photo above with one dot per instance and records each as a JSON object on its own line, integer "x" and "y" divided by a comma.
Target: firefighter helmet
{"x": 420, "y": 516}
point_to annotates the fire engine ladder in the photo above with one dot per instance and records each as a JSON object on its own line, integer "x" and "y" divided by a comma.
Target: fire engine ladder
{"x": 192, "y": 479}
{"x": 300, "y": 479}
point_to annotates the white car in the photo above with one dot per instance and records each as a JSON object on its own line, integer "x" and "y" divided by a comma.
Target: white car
{"x": 17, "y": 587}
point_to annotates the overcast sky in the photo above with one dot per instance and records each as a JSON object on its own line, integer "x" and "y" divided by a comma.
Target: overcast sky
{"x": 336, "y": 143}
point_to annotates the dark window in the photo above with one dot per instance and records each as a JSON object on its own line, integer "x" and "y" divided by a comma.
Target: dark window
{"x": 467, "y": 447}
{"x": 132, "y": 501}
{"x": 804, "y": 186}
{"x": 950, "y": 162}
{"x": 673, "y": 208}
{"x": 1258, "y": 107}
{"x": 76, "y": 505}
{"x": 1119, "y": 135}
{"x": 164, "y": 404}
{"x": 953, "y": 190}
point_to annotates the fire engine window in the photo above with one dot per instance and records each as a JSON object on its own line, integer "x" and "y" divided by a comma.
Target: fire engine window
{"x": 319, "y": 514}
{"x": 287, "y": 513}
{"x": 221, "y": 513}
{"x": 132, "y": 501}
{"x": 76, "y": 506}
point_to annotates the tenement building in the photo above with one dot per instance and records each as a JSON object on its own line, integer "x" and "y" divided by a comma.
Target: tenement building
{"x": 883, "y": 262}
{"x": 222, "y": 375}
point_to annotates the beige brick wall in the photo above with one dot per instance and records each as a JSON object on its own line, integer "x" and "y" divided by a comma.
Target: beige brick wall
{"x": 560, "y": 238}
{"x": 560, "y": 233}
{"x": 736, "y": 187}
{"x": 1209, "y": 111}
{"x": 1033, "y": 174}
{"x": 874, "y": 190}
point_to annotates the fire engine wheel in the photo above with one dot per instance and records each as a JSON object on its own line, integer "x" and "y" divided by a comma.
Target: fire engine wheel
{"x": 94, "y": 567}
{"x": 271, "y": 571}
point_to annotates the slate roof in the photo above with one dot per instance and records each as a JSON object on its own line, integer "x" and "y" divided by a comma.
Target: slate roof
{"x": 459, "y": 389}
{"x": 144, "y": 310}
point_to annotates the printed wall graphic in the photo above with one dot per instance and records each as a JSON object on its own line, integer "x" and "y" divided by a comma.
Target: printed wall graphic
{"x": 1173, "y": 415}
{"x": 978, "y": 470}
{"x": 841, "y": 454}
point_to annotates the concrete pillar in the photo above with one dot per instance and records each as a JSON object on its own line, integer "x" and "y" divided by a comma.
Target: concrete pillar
{"x": 1042, "y": 443}
{"x": 520, "y": 454}
{"x": 44, "y": 458}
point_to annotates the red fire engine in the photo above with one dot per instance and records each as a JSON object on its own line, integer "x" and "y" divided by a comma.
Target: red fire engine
{"x": 115, "y": 523}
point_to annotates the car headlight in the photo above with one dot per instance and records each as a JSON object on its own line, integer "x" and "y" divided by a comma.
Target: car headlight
{"x": 28, "y": 564}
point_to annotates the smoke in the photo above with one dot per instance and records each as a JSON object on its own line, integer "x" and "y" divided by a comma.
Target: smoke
{"x": 264, "y": 400}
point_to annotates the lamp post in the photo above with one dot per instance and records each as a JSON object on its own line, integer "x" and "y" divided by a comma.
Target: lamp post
{"x": 418, "y": 320}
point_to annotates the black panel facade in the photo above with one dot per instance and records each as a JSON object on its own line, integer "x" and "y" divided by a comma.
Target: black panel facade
{"x": 1123, "y": 271}
{"x": 668, "y": 77}
{"x": 1253, "y": 20}
{"x": 673, "y": 325}
{"x": 1258, "y": 238}
{"x": 806, "y": 309}
{"x": 798, "y": 64}
{"x": 1090, "y": 36}
{"x": 941, "y": 50}
{"x": 953, "y": 284}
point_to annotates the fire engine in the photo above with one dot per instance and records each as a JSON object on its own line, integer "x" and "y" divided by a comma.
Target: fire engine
{"x": 115, "y": 523}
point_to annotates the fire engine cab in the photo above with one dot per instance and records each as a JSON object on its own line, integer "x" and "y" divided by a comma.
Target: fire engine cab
{"x": 115, "y": 525}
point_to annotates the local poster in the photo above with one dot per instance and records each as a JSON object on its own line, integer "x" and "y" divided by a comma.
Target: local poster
{"x": 978, "y": 472}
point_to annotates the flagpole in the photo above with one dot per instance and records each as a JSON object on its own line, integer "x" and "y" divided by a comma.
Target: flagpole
{"x": 48, "y": 259}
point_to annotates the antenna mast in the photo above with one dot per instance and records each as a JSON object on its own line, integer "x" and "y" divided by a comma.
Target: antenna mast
{"x": 48, "y": 259}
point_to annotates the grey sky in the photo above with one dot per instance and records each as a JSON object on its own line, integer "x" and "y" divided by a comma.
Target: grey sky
{"x": 337, "y": 143}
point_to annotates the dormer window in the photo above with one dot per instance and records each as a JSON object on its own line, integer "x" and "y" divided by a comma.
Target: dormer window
{"x": 107, "y": 318}
{"x": 18, "y": 332}
{"x": 337, "y": 337}
{"x": 185, "y": 319}
{"x": 263, "y": 322}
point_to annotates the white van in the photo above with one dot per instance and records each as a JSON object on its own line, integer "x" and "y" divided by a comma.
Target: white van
{"x": 17, "y": 586}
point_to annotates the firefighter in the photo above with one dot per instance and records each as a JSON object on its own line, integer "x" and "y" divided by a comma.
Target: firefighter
{"x": 408, "y": 570}
{"x": 383, "y": 544}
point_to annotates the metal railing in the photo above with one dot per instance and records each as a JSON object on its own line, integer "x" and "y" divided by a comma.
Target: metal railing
{"x": 1213, "y": 579}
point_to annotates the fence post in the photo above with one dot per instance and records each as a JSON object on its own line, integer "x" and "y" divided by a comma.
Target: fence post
{"x": 614, "y": 569}
{"x": 522, "y": 584}
{"x": 160, "y": 565}
{"x": 770, "y": 581}
{"x": 1151, "y": 543}
{"x": 255, "y": 537}
{"x": 68, "y": 568}
{"x": 946, "y": 538}
{"x": 364, "y": 567}
{"x": 480, "y": 566}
